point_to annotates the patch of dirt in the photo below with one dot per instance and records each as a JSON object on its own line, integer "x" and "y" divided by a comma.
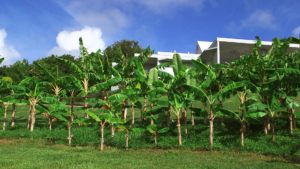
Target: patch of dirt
{"x": 7, "y": 141}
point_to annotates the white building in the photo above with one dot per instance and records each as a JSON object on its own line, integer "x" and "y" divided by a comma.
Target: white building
{"x": 163, "y": 57}
{"x": 222, "y": 50}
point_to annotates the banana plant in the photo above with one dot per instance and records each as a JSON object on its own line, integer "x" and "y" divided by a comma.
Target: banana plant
{"x": 56, "y": 109}
{"x": 31, "y": 89}
{"x": 278, "y": 75}
{"x": 106, "y": 114}
{"x": 6, "y": 97}
{"x": 174, "y": 85}
{"x": 271, "y": 110}
{"x": 154, "y": 130}
{"x": 291, "y": 104}
{"x": 84, "y": 73}
{"x": 143, "y": 82}
{"x": 204, "y": 90}
{"x": 52, "y": 106}
{"x": 132, "y": 95}
{"x": 249, "y": 108}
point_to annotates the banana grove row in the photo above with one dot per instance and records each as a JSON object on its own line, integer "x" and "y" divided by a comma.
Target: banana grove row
{"x": 265, "y": 82}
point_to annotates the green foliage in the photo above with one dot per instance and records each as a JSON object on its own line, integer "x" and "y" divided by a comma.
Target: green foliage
{"x": 267, "y": 83}
{"x": 17, "y": 71}
{"x": 122, "y": 50}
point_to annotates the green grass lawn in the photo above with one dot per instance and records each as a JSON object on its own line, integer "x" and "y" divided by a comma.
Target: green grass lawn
{"x": 27, "y": 154}
{"x": 45, "y": 149}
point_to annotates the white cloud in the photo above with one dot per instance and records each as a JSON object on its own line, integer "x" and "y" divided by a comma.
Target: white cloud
{"x": 10, "y": 54}
{"x": 259, "y": 19}
{"x": 296, "y": 31}
{"x": 68, "y": 41}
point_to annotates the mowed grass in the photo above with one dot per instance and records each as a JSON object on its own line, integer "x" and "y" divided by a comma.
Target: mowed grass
{"x": 19, "y": 148}
{"x": 26, "y": 154}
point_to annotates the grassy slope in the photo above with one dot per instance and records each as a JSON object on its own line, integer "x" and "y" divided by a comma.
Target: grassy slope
{"x": 226, "y": 139}
{"x": 28, "y": 155}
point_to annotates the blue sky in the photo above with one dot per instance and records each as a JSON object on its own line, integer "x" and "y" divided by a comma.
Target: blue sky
{"x": 32, "y": 29}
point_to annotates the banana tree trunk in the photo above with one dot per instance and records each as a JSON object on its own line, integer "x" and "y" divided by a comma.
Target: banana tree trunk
{"x": 50, "y": 122}
{"x": 292, "y": 120}
{"x": 151, "y": 121}
{"x": 132, "y": 114}
{"x": 243, "y": 127}
{"x": 125, "y": 110}
{"x": 144, "y": 109}
{"x": 69, "y": 126}
{"x": 70, "y": 122}
{"x": 266, "y": 125}
{"x": 112, "y": 130}
{"x": 211, "y": 129}
{"x": 291, "y": 123}
{"x": 5, "y": 106}
{"x": 155, "y": 139}
{"x": 184, "y": 121}
{"x": 179, "y": 130}
{"x": 70, "y": 136}
{"x": 29, "y": 116}
{"x": 273, "y": 130}
{"x": 126, "y": 139}
{"x": 86, "y": 116}
{"x": 33, "y": 103}
{"x": 102, "y": 125}
{"x": 85, "y": 83}
{"x": 13, "y": 115}
{"x": 193, "y": 119}
{"x": 69, "y": 133}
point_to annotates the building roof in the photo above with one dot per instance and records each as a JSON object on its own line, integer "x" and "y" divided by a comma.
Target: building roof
{"x": 202, "y": 45}
{"x": 243, "y": 41}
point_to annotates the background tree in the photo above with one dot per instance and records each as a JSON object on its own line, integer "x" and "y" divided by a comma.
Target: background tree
{"x": 17, "y": 71}
{"x": 123, "y": 50}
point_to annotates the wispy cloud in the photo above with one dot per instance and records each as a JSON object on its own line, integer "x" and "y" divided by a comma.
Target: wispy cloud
{"x": 259, "y": 19}
{"x": 296, "y": 31}
{"x": 99, "y": 13}
{"x": 10, "y": 54}
{"x": 162, "y": 6}
{"x": 115, "y": 15}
